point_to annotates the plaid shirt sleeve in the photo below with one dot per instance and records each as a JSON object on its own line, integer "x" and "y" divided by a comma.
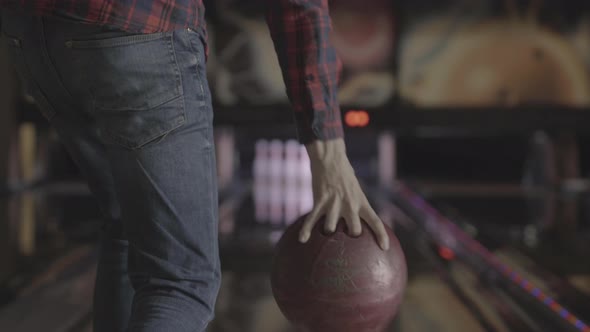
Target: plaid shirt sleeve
{"x": 311, "y": 68}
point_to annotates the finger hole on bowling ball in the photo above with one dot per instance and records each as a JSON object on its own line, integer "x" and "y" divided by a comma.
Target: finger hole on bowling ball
{"x": 351, "y": 234}
{"x": 324, "y": 232}
{"x": 341, "y": 227}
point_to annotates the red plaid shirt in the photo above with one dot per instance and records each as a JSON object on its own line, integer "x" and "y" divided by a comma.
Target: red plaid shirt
{"x": 300, "y": 30}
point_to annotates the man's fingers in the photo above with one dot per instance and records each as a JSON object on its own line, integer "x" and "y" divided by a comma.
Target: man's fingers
{"x": 373, "y": 220}
{"x": 310, "y": 222}
{"x": 354, "y": 223}
{"x": 332, "y": 217}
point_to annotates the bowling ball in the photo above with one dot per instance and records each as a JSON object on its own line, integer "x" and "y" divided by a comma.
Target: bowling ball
{"x": 336, "y": 282}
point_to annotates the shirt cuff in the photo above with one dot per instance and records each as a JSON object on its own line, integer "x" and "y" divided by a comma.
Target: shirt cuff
{"x": 320, "y": 128}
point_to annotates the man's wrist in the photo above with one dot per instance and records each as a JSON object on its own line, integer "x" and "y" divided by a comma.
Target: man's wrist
{"x": 324, "y": 152}
{"x": 328, "y": 129}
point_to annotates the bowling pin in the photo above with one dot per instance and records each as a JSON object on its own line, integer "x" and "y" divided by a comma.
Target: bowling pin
{"x": 275, "y": 185}
{"x": 292, "y": 170}
{"x": 225, "y": 150}
{"x": 260, "y": 167}
{"x": 292, "y": 166}
{"x": 304, "y": 182}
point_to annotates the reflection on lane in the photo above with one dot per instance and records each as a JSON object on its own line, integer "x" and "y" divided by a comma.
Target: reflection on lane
{"x": 555, "y": 310}
{"x": 445, "y": 293}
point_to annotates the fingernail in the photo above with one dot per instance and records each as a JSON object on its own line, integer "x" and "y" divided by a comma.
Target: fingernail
{"x": 302, "y": 238}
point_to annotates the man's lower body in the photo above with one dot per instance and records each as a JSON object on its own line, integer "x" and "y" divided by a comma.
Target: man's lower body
{"x": 135, "y": 113}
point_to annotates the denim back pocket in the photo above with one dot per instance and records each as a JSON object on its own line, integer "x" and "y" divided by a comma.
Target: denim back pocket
{"x": 135, "y": 84}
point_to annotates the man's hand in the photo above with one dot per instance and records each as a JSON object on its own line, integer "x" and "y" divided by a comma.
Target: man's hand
{"x": 337, "y": 193}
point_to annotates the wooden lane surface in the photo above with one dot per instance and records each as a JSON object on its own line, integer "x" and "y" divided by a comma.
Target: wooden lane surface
{"x": 58, "y": 301}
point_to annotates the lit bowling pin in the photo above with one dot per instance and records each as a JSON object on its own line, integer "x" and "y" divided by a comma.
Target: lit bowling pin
{"x": 225, "y": 149}
{"x": 261, "y": 172}
{"x": 276, "y": 174}
{"x": 292, "y": 169}
{"x": 304, "y": 187}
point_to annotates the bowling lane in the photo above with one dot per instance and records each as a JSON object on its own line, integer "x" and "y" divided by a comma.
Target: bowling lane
{"x": 47, "y": 266}
{"x": 512, "y": 259}
{"x": 549, "y": 249}
{"x": 445, "y": 291}
{"x": 443, "y": 294}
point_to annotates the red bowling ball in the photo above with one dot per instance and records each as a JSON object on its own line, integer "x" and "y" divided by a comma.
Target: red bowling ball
{"x": 338, "y": 283}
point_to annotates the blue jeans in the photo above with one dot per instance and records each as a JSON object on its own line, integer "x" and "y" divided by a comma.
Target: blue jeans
{"x": 135, "y": 113}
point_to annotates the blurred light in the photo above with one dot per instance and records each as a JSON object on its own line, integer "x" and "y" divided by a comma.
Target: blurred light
{"x": 446, "y": 253}
{"x": 357, "y": 118}
{"x": 531, "y": 237}
{"x": 470, "y": 229}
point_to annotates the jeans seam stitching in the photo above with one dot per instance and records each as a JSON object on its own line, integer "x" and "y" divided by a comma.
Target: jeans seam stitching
{"x": 197, "y": 74}
{"x": 177, "y": 71}
{"x": 177, "y": 123}
{"x": 115, "y": 42}
{"x": 53, "y": 67}
{"x": 50, "y": 113}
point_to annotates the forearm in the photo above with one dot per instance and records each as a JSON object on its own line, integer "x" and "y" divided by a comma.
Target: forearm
{"x": 301, "y": 30}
